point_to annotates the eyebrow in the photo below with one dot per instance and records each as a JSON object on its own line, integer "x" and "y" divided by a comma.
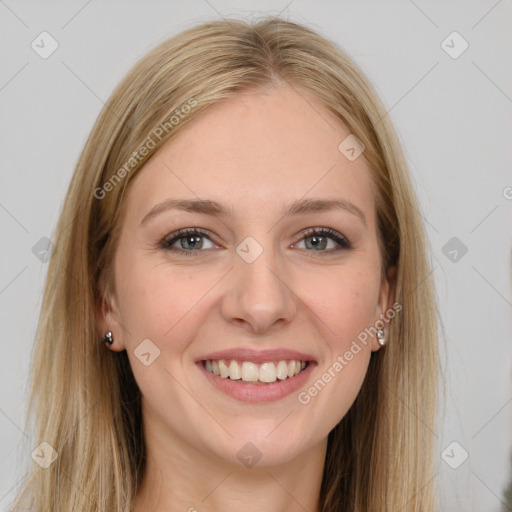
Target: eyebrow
{"x": 216, "y": 209}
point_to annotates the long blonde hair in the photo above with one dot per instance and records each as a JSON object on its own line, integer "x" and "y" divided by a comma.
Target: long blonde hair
{"x": 84, "y": 400}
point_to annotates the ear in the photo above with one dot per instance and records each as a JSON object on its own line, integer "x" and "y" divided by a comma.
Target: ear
{"x": 386, "y": 297}
{"x": 108, "y": 316}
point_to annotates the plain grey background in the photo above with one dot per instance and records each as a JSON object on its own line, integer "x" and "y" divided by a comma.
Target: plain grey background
{"x": 453, "y": 114}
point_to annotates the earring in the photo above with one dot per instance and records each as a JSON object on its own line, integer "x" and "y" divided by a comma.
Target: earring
{"x": 108, "y": 338}
{"x": 380, "y": 336}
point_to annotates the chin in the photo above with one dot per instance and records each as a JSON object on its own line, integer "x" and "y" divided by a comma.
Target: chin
{"x": 259, "y": 449}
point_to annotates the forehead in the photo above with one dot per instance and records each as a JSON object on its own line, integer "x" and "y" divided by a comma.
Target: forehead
{"x": 278, "y": 143}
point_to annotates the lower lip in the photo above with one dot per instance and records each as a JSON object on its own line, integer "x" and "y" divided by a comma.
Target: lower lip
{"x": 246, "y": 392}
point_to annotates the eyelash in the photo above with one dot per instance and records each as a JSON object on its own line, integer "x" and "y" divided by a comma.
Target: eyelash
{"x": 168, "y": 241}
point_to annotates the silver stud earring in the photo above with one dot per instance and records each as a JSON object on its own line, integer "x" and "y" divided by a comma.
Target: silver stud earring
{"x": 380, "y": 337}
{"x": 108, "y": 338}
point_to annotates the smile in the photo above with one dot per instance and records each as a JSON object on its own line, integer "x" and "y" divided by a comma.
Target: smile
{"x": 247, "y": 371}
{"x": 241, "y": 379}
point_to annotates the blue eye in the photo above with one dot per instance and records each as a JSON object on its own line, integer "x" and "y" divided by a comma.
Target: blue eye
{"x": 319, "y": 235}
{"x": 191, "y": 241}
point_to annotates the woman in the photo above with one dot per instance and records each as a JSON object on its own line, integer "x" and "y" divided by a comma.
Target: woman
{"x": 237, "y": 314}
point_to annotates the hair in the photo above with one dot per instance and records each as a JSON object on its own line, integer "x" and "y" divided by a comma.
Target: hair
{"x": 84, "y": 400}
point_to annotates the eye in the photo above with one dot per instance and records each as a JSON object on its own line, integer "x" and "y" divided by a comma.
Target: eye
{"x": 190, "y": 241}
{"x": 317, "y": 239}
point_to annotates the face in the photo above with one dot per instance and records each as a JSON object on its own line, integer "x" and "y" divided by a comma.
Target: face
{"x": 274, "y": 277}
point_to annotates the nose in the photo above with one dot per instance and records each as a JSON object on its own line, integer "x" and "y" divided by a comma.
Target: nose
{"x": 259, "y": 295}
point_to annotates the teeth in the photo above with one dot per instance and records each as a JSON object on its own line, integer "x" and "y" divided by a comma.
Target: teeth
{"x": 224, "y": 370}
{"x": 249, "y": 372}
{"x": 234, "y": 371}
{"x": 252, "y": 372}
{"x": 282, "y": 370}
{"x": 267, "y": 372}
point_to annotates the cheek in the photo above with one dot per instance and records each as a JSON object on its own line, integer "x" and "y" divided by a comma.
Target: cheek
{"x": 345, "y": 306}
{"x": 159, "y": 305}
{"x": 162, "y": 303}
{"x": 346, "y": 301}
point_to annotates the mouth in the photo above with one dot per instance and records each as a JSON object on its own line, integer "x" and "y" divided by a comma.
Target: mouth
{"x": 248, "y": 372}
{"x": 251, "y": 382}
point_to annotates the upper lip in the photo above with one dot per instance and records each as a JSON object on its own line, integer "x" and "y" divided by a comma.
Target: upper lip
{"x": 257, "y": 356}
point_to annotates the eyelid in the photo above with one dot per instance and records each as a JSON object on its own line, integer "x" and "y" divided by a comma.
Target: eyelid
{"x": 340, "y": 239}
{"x": 170, "y": 239}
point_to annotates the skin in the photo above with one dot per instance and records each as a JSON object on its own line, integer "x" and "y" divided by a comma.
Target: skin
{"x": 240, "y": 153}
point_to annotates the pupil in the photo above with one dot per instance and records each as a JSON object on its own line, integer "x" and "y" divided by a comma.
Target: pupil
{"x": 196, "y": 239}
{"x": 315, "y": 242}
